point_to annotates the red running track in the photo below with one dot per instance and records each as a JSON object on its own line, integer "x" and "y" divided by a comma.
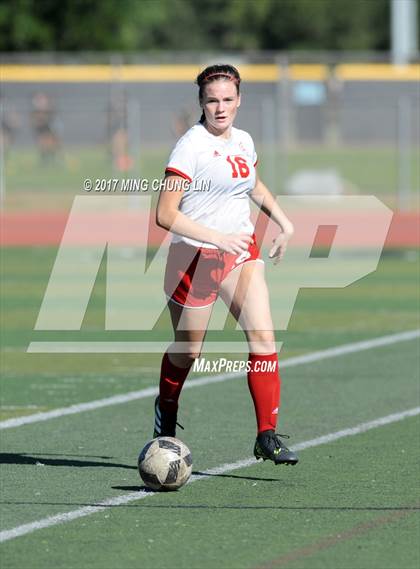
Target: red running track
{"x": 36, "y": 228}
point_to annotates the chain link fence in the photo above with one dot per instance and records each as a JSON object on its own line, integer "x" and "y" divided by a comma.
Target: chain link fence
{"x": 329, "y": 127}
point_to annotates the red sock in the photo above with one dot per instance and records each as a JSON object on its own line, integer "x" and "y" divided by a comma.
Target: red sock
{"x": 171, "y": 381}
{"x": 264, "y": 385}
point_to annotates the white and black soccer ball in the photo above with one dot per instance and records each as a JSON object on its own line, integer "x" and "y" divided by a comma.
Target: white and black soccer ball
{"x": 165, "y": 463}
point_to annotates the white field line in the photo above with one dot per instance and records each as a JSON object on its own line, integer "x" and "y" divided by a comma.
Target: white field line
{"x": 151, "y": 391}
{"x": 50, "y": 521}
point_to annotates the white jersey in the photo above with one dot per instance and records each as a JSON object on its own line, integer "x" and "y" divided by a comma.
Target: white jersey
{"x": 222, "y": 174}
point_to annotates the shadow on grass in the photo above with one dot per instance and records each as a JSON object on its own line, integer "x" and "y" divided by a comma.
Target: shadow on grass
{"x": 238, "y": 476}
{"x": 35, "y": 460}
{"x": 148, "y": 505}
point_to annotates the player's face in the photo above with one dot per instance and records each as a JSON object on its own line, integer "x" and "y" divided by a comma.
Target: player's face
{"x": 220, "y": 103}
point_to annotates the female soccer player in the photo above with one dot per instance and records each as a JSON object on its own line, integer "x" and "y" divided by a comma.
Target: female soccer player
{"x": 209, "y": 179}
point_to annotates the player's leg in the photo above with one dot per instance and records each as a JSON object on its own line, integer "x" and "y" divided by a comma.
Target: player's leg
{"x": 245, "y": 293}
{"x": 190, "y": 326}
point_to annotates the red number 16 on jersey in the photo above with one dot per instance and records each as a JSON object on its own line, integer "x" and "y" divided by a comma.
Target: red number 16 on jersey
{"x": 238, "y": 164}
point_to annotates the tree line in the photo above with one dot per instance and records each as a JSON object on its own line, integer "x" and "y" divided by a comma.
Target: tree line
{"x": 162, "y": 25}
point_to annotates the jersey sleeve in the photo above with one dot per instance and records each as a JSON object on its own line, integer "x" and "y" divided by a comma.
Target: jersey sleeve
{"x": 182, "y": 160}
{"x": 251, "y": 150}
{"x": 254, "y": 154}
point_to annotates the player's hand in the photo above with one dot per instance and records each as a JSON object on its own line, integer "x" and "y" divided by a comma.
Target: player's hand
{"x": 235, "y": 243}
{"x": 279, "y": 247}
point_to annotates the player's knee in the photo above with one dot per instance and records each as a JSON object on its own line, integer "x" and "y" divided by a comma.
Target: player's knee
{"x": 185, "y": 359}
{"x": 193, "y": 355}
{"x": 262, "y": 342}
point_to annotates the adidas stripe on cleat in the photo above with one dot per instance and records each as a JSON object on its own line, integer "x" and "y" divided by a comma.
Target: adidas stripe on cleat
{"x": 269, "y": 446}
{"x": 165, "y": 422}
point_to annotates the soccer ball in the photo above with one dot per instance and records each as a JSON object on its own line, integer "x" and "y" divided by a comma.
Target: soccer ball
{"x": 165, "y": 463}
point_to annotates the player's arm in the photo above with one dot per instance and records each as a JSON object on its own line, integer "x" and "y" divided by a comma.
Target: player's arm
{"x": 170, "y": 218}
{"x": 265, "y": 200}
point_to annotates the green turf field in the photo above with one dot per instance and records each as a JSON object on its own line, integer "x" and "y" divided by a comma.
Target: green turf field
{"x": 350, "y": 503}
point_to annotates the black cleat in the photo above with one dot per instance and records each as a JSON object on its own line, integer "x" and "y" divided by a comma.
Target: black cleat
{"x": 269, "y": 446}
{"x": 165, "y": 422}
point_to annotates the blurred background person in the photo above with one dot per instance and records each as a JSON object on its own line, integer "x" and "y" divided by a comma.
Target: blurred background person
{"x": 43, "y": 121}
{"x": 9, "y": 126}
{"x": 118, "y": 132}
{"x": 183, "y": 120}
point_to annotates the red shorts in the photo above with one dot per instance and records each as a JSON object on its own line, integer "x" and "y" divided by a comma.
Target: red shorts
{"x": 193, "y": 274}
